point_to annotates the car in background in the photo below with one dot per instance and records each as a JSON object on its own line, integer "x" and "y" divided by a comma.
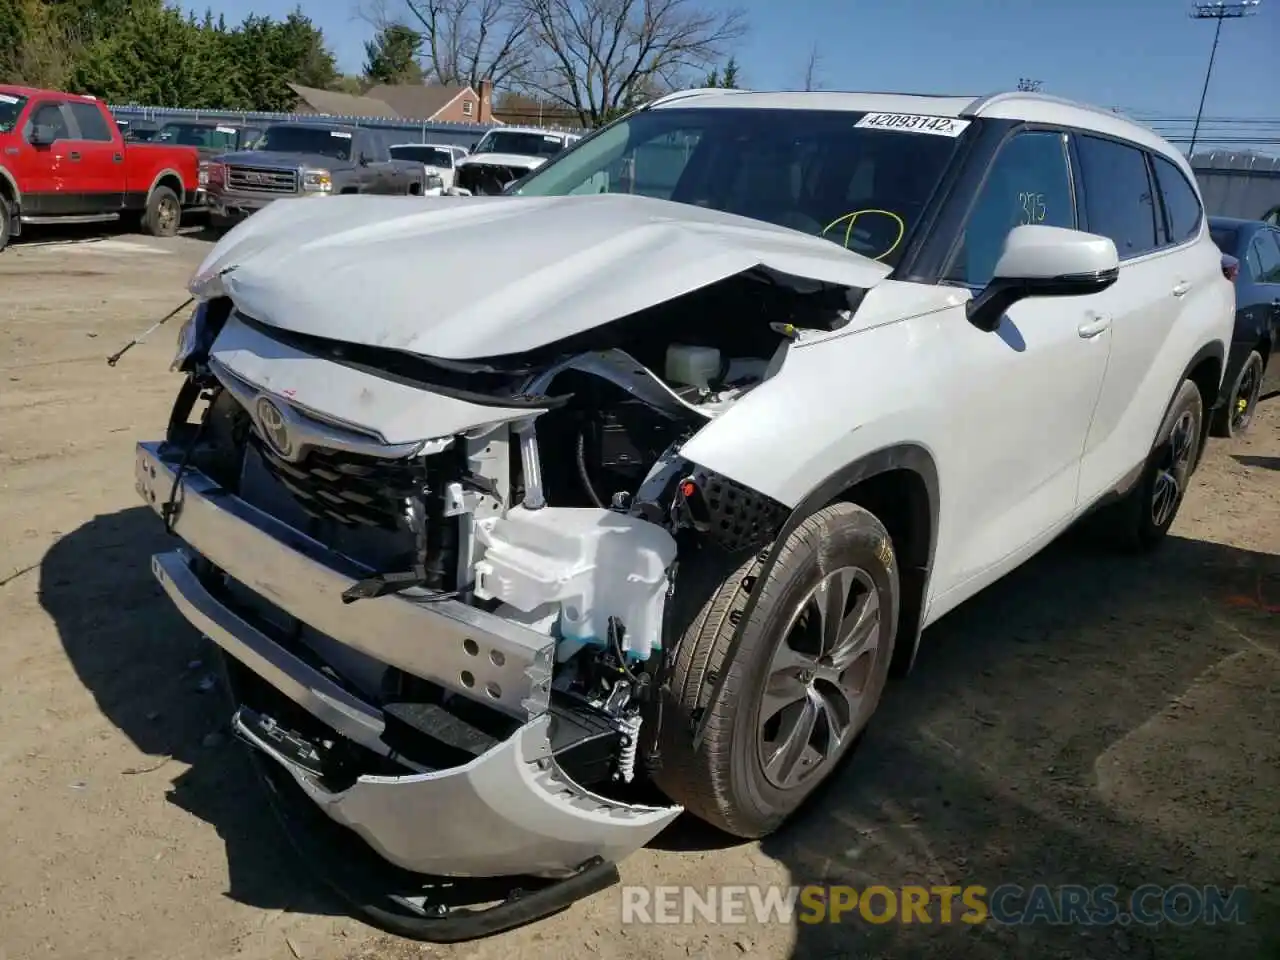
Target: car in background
{"x": 63, "y": 160}
{"x": 437, "y": 160}
{"x": 138, "y": 131}
{"x": 210, "y": 138}
{"x": 305, "y": 160}
{"x": 506, "y": 154}
{"x": 1255, "y": 247}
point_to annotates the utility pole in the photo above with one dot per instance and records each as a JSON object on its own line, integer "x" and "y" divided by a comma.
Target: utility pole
{"x": 1027, "y": 85}
{"x": 1217, "y": 11}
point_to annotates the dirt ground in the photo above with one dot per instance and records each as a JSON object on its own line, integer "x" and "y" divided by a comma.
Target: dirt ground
{"x": 1090, "y": 720}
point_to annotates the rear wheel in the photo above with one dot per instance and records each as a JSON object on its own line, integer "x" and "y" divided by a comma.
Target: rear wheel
{"x": 163, "y": 215}
{"x": 1143, "y": 518}
{"x": 1236, "y": 414}
{"x": 808, "y": 673}
{"x": 6, "y": 221}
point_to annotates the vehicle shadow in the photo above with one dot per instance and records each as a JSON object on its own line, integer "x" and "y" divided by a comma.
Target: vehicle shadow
{"x": 159, "y": 682}
{"x": 1036, "y": 742}
{"x": 982, "y": 767}
{"x": 1266, "y": 463}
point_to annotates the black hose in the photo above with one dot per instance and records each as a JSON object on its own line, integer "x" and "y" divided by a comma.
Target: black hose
{"x": 582, "y": 471}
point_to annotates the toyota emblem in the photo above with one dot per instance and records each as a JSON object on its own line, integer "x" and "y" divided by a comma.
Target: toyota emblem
{"x": 274, "y": 427}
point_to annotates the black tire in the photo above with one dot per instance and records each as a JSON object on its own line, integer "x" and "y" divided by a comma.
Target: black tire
{"x": 163, "y": 215}
{"x": 724, "y": 781}
{"x": 6, "y": 222}
{"x": 1233, "y": 418}
{"x": 1138, "y": 522}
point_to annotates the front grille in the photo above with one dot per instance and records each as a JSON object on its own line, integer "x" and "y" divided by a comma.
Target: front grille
{"x": 353, "y": 489}
{"x": 261, "y": 180}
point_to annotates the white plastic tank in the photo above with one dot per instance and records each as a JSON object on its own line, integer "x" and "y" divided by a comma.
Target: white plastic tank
{"x": 692, "y": 366}
{"x": 594, "y": 564}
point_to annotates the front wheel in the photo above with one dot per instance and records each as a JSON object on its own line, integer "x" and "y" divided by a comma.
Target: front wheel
{"x": 1236, "y": 414}
{"x": 807, "y": 676}
{"x": 163, "y": 215}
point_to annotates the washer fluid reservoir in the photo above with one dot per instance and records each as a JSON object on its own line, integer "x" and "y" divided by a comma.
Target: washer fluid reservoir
{"x": 692, "y": 366}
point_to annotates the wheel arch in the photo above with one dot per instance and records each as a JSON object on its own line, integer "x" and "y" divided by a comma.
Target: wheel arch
{"x": 899, "y": 484}
{"x": 168, "y": 177}
{"x": 1205, "y": 370}
{"x": 9, "y": 187}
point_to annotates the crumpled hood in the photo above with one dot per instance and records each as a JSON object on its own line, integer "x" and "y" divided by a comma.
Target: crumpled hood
{"x": 469, "y": 277}
{"x": 502, "y": 160}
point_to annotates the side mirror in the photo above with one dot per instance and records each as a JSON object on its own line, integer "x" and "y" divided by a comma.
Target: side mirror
{"x": 1041, "y": 261}
{"x": 42, "y": 135}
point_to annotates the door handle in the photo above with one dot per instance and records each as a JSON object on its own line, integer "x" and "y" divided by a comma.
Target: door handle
{"x": 1096, "y": 323}
{"x": 117, "y": 157}
{"x": 1181, "y": 289}
{"x": 73, "y": 155}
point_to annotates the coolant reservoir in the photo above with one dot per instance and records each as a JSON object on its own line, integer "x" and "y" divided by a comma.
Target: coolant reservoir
{"x": 692, "y": 366}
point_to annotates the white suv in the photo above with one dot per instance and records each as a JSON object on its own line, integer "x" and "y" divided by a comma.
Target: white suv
{"x": 660, "y": 465}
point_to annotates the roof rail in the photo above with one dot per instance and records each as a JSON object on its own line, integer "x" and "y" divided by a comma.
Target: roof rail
{"x": 692, "y": 92}
{"x": 981, "y": 103}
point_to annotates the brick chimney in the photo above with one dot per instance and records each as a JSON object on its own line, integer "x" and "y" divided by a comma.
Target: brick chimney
{"x": 485, "y": 113}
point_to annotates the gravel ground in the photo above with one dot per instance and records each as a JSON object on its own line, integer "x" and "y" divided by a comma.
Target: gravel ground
{"x": 1091, "y": 719}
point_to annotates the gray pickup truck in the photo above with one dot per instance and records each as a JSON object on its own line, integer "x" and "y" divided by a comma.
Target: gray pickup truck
{"x": 306, "y": 160}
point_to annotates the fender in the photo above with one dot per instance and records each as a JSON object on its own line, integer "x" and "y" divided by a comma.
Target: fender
{"x": 168, "y": 172}
{"x": 910, "y": 456}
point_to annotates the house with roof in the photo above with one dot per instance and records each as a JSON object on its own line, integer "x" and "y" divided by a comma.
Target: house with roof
{"x": 406, "y": 101}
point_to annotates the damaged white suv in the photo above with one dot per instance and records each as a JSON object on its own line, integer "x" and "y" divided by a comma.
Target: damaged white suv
{"x": 656, "y": 468}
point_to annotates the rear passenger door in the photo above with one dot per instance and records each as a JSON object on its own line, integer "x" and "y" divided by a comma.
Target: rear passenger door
{"x": 97, "y": 162}
{"x": 1121, "y": 200}
{"x": 1266, "y": 249}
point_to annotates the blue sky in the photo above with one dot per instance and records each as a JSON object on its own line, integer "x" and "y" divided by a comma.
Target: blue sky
{"x": 1147, "y": 56}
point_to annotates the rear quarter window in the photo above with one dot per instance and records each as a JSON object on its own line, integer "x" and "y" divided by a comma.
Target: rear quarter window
{"x": 1181, "y": 204}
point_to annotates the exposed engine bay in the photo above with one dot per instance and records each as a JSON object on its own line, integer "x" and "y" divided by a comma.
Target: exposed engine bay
{"x": 571, "y": 521}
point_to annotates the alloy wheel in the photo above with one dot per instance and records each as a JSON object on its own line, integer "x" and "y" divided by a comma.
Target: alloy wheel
{"x": 1171, "y": 475}
{"x": 815, "y": 693}
{"x": 1246, "y": 395}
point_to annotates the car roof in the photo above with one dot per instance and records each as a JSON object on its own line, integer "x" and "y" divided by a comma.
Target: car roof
{"x": 1007, "y": 105}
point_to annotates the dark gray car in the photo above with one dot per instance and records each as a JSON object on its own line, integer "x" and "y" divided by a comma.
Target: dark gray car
{"x": 312, "y": 160}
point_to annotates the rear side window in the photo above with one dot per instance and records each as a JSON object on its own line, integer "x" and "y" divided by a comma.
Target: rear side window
{"x": 1181, "y": 204}
{"x": 1268, "y": 256}
{"x": 1118, "y": 196}
{"x": 1029, "y": 183}
{"x": 91, "y": 122}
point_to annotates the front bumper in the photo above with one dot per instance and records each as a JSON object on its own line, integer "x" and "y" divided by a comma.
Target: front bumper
{"x": 511, "y": 810}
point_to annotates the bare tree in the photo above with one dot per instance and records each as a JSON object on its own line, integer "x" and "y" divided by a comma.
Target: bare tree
{"x": 811, "y": 81}
{"x": 463, "y": 41}
{"x": 597, "y": 57}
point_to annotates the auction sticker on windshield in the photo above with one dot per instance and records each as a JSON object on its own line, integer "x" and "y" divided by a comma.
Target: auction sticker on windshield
{"x": 5, "y": 98}
{"x": 914, "y": 123}
{"x": 340, "y": 133}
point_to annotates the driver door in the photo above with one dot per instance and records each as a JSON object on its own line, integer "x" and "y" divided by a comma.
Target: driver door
{"x": 1020, "y": 400}
{"x": 44, "y": 166}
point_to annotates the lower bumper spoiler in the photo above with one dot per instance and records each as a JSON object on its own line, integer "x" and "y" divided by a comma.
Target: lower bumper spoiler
{"x": 510, "y": 811}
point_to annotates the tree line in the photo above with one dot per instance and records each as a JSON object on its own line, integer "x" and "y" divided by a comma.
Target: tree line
{"x": 585, "y": 59}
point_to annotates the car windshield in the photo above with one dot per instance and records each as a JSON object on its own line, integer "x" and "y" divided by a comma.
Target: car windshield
{"x": 198, "y": 135}
{"x": 424, "y": 153}
{"x": 521, "y": 144}
{"x": 862, "y": 187}
{"x": 327, "y": 143}
{"x": 1225, "y": 238}
{"x": 10, "y": 106}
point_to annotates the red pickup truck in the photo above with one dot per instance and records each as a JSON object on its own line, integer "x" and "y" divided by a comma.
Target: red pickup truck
{"x": 62, "y": 160}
